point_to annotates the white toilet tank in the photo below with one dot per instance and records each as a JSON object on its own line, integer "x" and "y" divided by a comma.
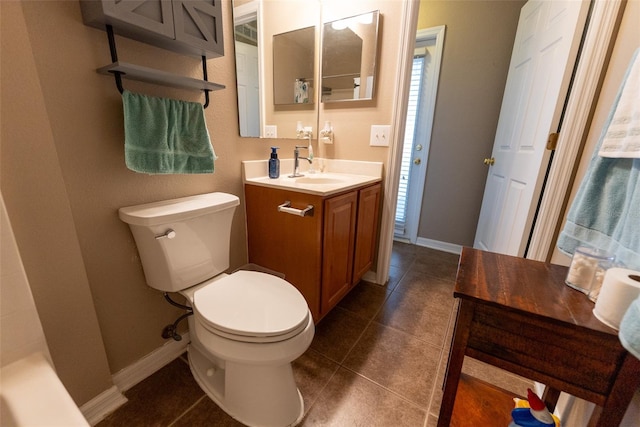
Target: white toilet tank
{"x": 184, "y": 241}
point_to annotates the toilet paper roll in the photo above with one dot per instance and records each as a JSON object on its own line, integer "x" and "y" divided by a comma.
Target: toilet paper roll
{"x": 620, "y": 287}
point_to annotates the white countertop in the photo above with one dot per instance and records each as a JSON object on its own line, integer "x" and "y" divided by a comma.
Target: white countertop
{"x": 336, "y": 176}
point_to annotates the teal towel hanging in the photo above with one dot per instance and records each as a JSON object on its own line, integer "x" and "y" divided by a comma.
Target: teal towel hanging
{"x": 165, "y": 136}
{"x": 606, "y": 210}
{"x": 630, "y": 329}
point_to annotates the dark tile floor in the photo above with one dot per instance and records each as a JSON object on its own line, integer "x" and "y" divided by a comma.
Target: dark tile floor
{"x": 377, "y": 359}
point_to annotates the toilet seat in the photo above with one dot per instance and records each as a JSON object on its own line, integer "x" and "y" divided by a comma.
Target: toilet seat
{"x": 251, "y": 306}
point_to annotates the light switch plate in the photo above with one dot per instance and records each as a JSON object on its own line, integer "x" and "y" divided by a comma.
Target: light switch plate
{"x": 380, "y": 135}
{"x": 270, "y": 131}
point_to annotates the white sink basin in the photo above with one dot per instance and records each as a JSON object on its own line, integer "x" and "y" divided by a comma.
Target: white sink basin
{"x": 319, "y": 180}
{"x": 337, "y": 176}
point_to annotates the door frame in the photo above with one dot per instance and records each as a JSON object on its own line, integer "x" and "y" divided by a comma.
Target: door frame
{"x": 426, "y": 109}
{"x": 593, "y": 58}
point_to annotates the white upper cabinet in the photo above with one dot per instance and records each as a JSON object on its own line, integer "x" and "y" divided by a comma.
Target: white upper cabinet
{"x": 192, "y": 27}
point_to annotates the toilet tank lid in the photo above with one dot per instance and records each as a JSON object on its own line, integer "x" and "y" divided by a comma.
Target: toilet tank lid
{"x": 177, "y": 209}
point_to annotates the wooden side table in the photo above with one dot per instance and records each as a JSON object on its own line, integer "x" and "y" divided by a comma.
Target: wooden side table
{"x": 518, "y": 315}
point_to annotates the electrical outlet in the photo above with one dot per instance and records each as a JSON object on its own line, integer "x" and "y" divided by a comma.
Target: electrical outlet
{"x": 270, "y": 131}
{"x": 380, "y": 135}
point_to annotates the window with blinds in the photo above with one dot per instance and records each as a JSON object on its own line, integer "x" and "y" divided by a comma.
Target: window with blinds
{"x": 407, "y": 150}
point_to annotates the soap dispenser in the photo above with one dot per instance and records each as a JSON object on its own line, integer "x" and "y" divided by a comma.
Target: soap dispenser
{"x": 274, "y": 164}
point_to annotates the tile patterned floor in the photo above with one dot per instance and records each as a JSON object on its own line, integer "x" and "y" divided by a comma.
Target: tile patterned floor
{"x": 377, "y": 359}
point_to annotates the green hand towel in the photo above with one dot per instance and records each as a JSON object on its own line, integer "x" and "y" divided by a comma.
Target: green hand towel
{"x": 165, "y": 136}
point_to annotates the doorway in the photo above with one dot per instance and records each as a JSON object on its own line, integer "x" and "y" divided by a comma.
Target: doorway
{"x": 421, "y": 102}
{"x": 542, "y": 64}
{"x": 602, "y": 29}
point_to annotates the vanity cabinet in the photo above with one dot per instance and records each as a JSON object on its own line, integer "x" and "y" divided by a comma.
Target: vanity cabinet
{"x": 192, "y": 27}
{"x": 338, "y": 248}
{"x": 324, "y": 254}
{"x": 366, "y": 231}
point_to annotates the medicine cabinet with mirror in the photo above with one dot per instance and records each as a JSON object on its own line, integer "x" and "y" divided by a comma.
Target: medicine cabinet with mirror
{"x": 277, "y": 64}
{"x": 294, "y": 66}
{"x": 349, "y": 58}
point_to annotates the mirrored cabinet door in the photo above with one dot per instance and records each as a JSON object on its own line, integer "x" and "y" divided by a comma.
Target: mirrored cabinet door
{"x": 287, "y": 63}
{"x": 349, "y": 49}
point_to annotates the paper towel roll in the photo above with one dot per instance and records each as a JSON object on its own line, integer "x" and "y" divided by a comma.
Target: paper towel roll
{"x": 620, "y": 287}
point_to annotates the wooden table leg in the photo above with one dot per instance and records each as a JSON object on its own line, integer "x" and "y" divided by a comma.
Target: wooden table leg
{"x": 625, "y": 385}
{"x": 456, "y": 358}
{"x": 550, "y": 398}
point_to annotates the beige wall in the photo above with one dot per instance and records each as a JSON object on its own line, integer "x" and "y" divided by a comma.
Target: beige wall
{"x": 477, "y": 49}
{"x": 35, "y": 194}
{"x": 627, "y": 41}
{"x": 63, "y": 177}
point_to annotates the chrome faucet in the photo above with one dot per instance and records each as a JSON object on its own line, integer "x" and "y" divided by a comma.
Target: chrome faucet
{"x": 296, "y": 161}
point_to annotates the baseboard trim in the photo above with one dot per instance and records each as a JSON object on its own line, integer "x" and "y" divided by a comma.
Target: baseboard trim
{"x": 441, "y": 246}
{"x": 149, "y": 364}
{"x": 108, "y": 401}
{"x": 371, "y": 277}
{"x": 102, "y": 405}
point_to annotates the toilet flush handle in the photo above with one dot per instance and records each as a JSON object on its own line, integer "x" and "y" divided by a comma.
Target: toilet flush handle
{"x": 169, "y": 234}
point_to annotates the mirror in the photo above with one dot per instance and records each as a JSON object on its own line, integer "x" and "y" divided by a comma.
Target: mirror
{"x": 248, "y": 73}
{"x": 349, "y": 49}
{"x": 266, "y": 108}
{"x": 293, "y": 66}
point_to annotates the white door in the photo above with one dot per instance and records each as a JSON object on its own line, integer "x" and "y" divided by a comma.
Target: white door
{"x": 418, "y": 125}
{"x": 542, "y": 60}
{"x": 248, "y": 89}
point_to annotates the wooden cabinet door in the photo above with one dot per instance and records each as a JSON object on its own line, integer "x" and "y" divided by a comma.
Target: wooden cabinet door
{"x": 155, "y": 16}
{"x": 287, "y": 243}
{"x": 337, "y": 253}
{"x": 366, "y": 231}
{"x": 190, "y": 27}
{"x": 198, "y": 24}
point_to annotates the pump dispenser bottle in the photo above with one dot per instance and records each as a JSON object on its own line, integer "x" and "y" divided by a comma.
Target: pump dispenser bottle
{"x": 274, "y": 164}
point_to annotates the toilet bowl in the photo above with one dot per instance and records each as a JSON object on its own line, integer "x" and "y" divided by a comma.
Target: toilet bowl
{"x": 241, "y": 354}
{"x": 247, "y": 327}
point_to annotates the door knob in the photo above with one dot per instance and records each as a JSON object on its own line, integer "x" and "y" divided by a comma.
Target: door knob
{"x": 417, "y": 161}
{"x": 489, "y": 162}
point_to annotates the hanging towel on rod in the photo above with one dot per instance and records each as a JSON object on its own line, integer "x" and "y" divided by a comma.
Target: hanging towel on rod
{"x": 165, "y": 136}
{"x": 605, "y": 213}
{"x": 622, "y": 138}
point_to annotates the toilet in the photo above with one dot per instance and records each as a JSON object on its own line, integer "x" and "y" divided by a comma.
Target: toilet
{"x": 247, "y": 327}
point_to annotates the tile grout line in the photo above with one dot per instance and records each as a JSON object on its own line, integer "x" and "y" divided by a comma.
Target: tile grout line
{"x": 372, "y": 320}
{"x": 186, "y": 411}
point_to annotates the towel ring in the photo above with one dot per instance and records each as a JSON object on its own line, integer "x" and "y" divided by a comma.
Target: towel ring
{"x": 118, "y": 74}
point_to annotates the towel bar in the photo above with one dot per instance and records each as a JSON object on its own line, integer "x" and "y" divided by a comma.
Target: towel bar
{"x": 134, "y": 72}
